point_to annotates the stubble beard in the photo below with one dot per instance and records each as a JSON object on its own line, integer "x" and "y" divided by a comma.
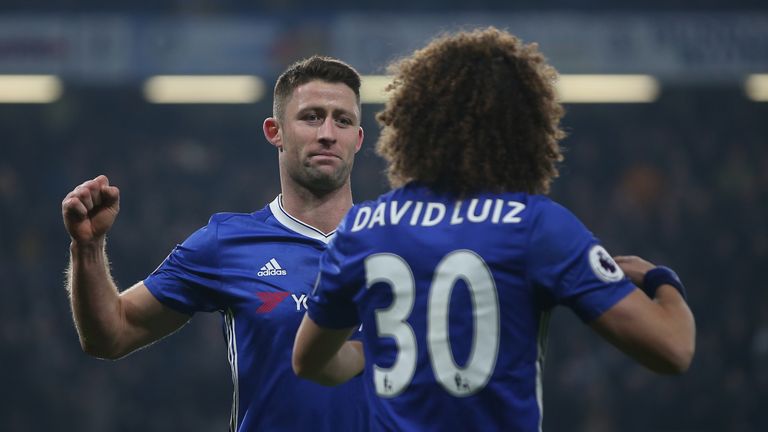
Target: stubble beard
{"x": 320, "y": 181}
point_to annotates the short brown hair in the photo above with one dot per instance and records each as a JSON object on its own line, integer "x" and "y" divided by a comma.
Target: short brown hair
{"x": 313, "y": 68}
{"x": 470, "y": 112}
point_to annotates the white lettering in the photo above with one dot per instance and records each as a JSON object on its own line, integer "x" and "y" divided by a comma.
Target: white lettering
{"x": 430, "y": 217}
{"x": 512, "y": 217}
{"x": 272, "y": 272}
{"x": 497, "y": 210}
{"x": 455, "y": 217}
{"x": 378, "y": 216}
{"x": 482, "y": 216}
{"x": 428, "y": 214}
{"x": 300, "y": 301}
{"x": 416, "y": 213}
{"x": 361, "y": 219}
{"x": 396, "y": 214}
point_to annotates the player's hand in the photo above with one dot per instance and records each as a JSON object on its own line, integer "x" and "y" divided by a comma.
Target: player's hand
{"x": 634, "y": 267}
{"x": 90, "y": 210}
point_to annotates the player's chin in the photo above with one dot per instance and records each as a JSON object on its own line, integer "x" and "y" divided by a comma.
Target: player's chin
{"x": 329, "y": 166}
{"x": 323, "y": 169}
{"x": 327, "y": 178}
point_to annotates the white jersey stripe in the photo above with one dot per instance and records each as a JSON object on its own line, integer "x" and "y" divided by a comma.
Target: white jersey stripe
{"x": 229, "y": 320}
{"x": 295, "y": 225}
{"x": 542, "y": 353}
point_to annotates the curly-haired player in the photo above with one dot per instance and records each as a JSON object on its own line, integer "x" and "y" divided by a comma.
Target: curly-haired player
{"x": 454, "y": 273}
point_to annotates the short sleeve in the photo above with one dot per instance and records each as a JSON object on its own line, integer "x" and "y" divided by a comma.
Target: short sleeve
{"x": 189, "y": 277}
{"x": 568, "y": 263}
{"x": 332, "y": 304}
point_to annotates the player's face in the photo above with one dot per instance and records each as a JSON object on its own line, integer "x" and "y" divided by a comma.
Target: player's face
{"x": 319, "y": 135}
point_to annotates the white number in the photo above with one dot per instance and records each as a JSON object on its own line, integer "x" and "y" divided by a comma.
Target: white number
{"x": 392, "y": 321}
{"x": 394, "y": 271}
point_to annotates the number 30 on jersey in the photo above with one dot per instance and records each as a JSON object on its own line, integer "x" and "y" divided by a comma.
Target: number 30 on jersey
{"x": 392, "y": 322}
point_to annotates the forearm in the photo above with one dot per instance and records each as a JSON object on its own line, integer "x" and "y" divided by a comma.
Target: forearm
{"x": 326, "y": 356}
{"x": 653, "y": 324}
{"x": 94, "y": 299}
{"x": 659, "y": 333}
{"x": 680, "y": 328}
{"x": 347, "y": 363}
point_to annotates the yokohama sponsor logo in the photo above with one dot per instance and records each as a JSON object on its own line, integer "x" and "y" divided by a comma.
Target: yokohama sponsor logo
{"x": 270, "y": 300}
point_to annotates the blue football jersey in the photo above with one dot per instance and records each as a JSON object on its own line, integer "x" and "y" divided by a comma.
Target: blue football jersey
{"x": 454, "y": 298}
{"x": 258, "y": 269}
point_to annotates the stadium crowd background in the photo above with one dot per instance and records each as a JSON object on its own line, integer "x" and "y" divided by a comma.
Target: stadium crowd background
{"x": 682, "y": 181}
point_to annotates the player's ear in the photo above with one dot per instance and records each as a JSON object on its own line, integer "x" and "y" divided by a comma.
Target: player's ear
{"x": 360, "y": 135}
{"x": 271, "y": 128}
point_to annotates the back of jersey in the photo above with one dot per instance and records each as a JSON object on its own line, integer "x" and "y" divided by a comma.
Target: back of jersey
{"x": 454, "y": 297}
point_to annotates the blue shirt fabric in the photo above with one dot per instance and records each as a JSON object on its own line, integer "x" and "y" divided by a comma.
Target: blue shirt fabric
{"x": 454, "y": 298}
{"x": 257, "y": 270}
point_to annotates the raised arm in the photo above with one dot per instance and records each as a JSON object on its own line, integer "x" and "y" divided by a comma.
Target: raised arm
{"x": 658, "y": 332}
{"x": 110, "y": 324}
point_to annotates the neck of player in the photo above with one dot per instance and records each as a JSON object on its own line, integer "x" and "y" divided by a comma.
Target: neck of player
{"x": 322, "y": 210}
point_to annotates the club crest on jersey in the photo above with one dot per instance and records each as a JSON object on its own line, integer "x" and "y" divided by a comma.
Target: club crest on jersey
{"x": 272, "y": 268}
{"x": 603, "y": 265}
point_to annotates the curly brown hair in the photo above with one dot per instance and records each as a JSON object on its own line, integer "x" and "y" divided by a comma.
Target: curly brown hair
{"x": 313, "y": 68}
{"x": 470, "y": 112}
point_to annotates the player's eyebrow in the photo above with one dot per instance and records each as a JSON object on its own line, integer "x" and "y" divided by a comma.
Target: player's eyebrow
{"x": 346, "y": 112}
{"x": 335, "y": 111}
{"x": 313, "y": 108}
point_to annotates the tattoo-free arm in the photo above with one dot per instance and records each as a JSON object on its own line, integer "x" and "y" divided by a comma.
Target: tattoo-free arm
{"x": 110, "y": 324}
{"x": 326, "y": 356}
{"x": 660, "y": 333}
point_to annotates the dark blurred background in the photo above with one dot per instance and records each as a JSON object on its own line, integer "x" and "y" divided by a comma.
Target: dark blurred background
{"x": 681, "y": 181}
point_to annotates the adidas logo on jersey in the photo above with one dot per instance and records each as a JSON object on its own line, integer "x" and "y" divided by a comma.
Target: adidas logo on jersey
{"x": 272, "y": 268}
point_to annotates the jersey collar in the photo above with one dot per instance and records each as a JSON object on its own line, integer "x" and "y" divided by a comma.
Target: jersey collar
{"x": 293, "y": 224}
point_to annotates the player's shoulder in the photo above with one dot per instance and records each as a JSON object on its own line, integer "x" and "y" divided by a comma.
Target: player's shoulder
{"x": 238, "y": 222}
{"x": 412, "y": 191}
{"x": 550, "y": 217}
{"x": 383, "y": 198}
{"x": 544, "y": 207}
{"x": 228, "y": 218}
{"x": 220, "y": 218}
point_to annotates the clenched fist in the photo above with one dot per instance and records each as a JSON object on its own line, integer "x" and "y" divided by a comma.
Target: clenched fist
{"x": 90, "y": 210}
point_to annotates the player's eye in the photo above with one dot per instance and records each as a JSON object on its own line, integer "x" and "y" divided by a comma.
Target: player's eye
{"x": 344, "y": 121}
{"x": 312, "y": 117}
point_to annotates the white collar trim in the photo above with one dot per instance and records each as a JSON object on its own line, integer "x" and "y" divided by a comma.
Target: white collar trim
{"x": 293, "y": 224}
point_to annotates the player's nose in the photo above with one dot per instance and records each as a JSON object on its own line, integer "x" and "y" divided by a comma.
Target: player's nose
{"x": 326, "y": 133}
